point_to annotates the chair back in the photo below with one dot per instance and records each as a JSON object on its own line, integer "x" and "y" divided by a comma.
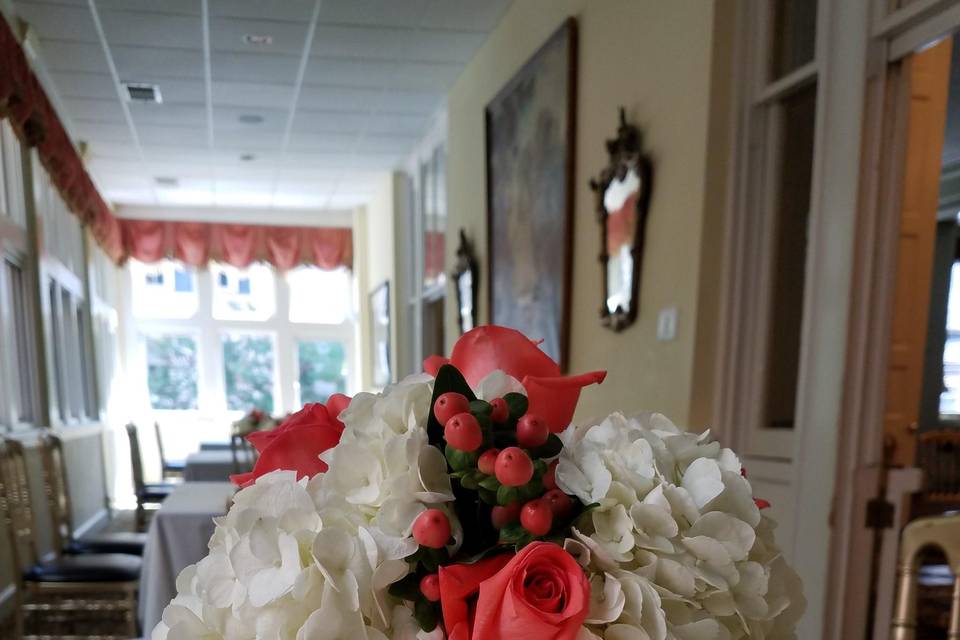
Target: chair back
{"x": 163, "y": 457}
{"x": 939, "y": 457}
{"x": 938, "y": 531}
{"x": 15, "y": 506}
{"x": 136, "y": 461}
{"x": 244, "y": 454}
{"x": 56, "y": 489}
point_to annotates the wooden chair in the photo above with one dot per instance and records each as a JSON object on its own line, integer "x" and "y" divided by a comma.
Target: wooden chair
{"x": 148, "y": 494}
{"x": 939, "y": 457}
{"x": 57, "y": 491}
{"x": 244, "y": 454}
{"x": 169, "y": 468}
{"x": 942, "y": 532}
{"x": 90, "y": 596}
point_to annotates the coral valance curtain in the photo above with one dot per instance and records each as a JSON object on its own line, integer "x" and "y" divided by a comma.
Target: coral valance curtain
{"x": 25, "y": 103}
{"x": 196, "y": 243}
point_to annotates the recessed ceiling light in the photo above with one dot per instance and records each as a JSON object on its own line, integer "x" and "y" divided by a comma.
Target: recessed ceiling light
{"x": 258, "y": 39}
{"x": 166, "y": 181}
{"x": 250, "y": 118}
{"x": 247, "y": 157}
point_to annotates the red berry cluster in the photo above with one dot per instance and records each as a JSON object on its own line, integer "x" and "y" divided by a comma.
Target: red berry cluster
{"x": 524, "y": 487}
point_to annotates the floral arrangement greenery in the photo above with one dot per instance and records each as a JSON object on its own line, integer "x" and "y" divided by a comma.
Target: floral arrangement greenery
{"x": 252, "y": 421}
{"x": 463, "y": 504}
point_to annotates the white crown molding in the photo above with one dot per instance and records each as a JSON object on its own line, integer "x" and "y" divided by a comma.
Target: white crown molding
{"x": 240, "y": 215}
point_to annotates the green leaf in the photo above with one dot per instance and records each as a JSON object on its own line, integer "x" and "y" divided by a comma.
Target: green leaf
{"x": 488, "y": 496}
{"x": 480, "y": 408}
{"x": 460, "y": 460}
{"x": 407, "y": 588}
{"x": 504, "y": 439}
{"x": 426, "y": 614}
{"x": 514, "y": 533}
{"x": 506, "y": 495}
{"x": 517, "y": 404}
{"x": 448, "y": 378}
{"x": 469, "y": 481}
{"x": 551, "y": 448}
{"x": 490, "y": 482}
{"x": 486, "y": 553}
{"x": 539, "y": 468}
{"x": 531, "y": 490}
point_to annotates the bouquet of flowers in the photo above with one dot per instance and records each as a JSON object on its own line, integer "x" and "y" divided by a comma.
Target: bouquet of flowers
{"x": 255, "y": 420}
{"x": 463, "y": 504}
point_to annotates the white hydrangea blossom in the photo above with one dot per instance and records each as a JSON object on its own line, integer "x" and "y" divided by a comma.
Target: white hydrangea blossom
{"x": 299, "y": 560}
{"x": 675, "y": 548}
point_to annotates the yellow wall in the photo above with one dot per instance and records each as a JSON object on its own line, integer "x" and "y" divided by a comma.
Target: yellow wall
{"x": 655, "y": 58}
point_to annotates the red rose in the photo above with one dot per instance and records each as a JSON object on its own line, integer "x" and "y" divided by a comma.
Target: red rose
{"x": 485, "y": 349}
{"x": 541, "y": 592}
{"x": 296, "y": 443}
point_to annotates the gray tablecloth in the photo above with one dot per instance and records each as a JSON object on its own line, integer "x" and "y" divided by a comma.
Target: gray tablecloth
{"x": 215, "y": 446}
{"x": 178, "y": 536}
{"x": 208, "y": 466}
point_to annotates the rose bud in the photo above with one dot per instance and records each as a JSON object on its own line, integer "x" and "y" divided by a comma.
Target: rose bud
{"x": 430, "y": 587}
{"x": 500, "y": 411}
{"x": 502, "y": 516}
{"x": 450, "y": 404}
{"x": 487, "y": 461}
{"x": 537, "y": 517}
{"x": 532, "y": 431}
{"x": 463, "y": 432}
{"x": 432, "y": 529}
{"x": 514, "y": 467}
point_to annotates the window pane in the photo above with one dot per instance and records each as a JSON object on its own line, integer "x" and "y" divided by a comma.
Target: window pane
{"x": 788, "y": 266}
{"x": 243, "y": 294}
{"x": 22, "y": 336}
{"x": 59, "y": 362}
{"x": 794, "y": 35}
{"x": 950, "y": 398}
{"x": 248, "y": 371}
{"x": 172, "y": 371}
{"x": 322, "y": 366}
{"x": 319, "y": 296}
{"x": 166, "y": 290}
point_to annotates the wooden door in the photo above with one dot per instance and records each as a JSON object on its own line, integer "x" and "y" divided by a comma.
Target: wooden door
{"x": 929, "y": 73}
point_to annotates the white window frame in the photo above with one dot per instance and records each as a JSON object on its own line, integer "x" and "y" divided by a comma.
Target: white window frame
{"x": 751, "y": 237}
{"x": 211, "y": 398}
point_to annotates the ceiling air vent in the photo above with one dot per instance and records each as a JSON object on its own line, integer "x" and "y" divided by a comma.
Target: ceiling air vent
{"x": 140, "y": 92}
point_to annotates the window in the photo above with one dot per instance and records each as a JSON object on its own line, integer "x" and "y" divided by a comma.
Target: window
{"x": 322, "y": 369}
{"x": 319, "y": 296}
{"x": 434, "y": 207}
{"x": 248, "y": 371}
{"x": 950, "y": 397}
{"x": 243, "y": 294}
{"x": 14, "y": 297}
{"x": 167, "y": 289}
{"x": 172, "y": 371}
{"x": 72, "y": 369}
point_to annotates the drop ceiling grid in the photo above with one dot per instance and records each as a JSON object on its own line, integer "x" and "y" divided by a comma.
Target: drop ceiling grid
{"x": 349, "y": 102}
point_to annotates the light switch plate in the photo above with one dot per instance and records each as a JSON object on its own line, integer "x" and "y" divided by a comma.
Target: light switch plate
{"x": 667, "y": 324}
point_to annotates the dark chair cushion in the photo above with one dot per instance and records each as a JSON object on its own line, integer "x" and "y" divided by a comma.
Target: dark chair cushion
{"x": 156, "y": 492}
{"x": 107, "y": 567}
{"x": 127, "y": 542}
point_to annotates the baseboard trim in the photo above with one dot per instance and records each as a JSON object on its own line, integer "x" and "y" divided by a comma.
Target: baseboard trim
{"x": 92, "y": 523}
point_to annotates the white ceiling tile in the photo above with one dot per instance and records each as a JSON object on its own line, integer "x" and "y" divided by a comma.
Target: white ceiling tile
{"x": 170, "y": 136}
{"x": 254, "y": 67}
{"x": 286, "y": 10}
{"x": 372, "y": 12}
{"x": 135, "y": 63}
{"x": 128, "y": 196}
{"x": 377, "y": 73}
{"x": 185, "y": 196}
{"x": 100, "y": 132}
{"x": 137, "y": 29}
{"x": 108, "y": 111}
{"x": 188, "y": 7}
{"x": 395, "y": 44}
{"x": 228, "y": 119}
{"x": 100, "y": 150}
{"x": 60, "y": 22}
{"x": 169, "y": 114}
{"x": 59, "y": 55}
{"x": 309, "y": 121}
{"x": 464, "y": 15}
{"x": 77, "y": 84}
{"x": 175, "y": 90}
{"x": 227, "y": 34}
{"x": 245, "y": 198}
{"x": 248, "y": 94}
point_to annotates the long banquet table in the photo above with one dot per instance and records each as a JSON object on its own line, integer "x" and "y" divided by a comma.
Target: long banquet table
{"x": 177, "y": 537}
{"x": 208, "y": 466}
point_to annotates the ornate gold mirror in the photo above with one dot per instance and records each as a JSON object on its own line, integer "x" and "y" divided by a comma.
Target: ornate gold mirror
{"x": 622, "y": 192}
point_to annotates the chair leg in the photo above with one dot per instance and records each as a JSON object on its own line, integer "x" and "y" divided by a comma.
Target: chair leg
{"x": 141, "y": 516}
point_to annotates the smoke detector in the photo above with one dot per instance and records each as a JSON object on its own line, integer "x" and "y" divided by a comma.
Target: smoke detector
{"x": 142, "y": 92}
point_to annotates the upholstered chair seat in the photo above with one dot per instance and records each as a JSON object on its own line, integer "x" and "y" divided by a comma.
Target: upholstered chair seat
{"x": 127, "y": 542}
{"x": 112, "y": 567}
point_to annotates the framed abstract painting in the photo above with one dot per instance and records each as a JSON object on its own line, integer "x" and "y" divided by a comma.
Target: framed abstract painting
{"x": 530, "y": 153}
